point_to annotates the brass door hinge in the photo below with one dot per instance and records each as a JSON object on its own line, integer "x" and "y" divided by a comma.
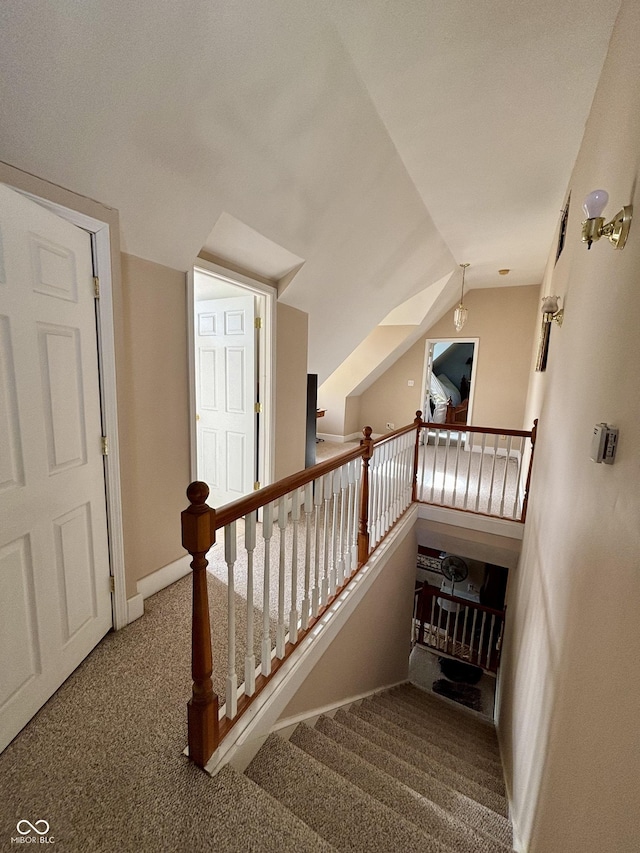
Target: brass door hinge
{"x": 112, "y": 583}
{"x": 256, "y": 486}
{"x": 258, "y": 408}
{"x": 258, "y": 322}
{"x": 96, "y": 287}
{"x": 104, "y": 441}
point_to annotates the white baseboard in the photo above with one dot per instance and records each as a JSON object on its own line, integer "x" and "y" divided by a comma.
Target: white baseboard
{"x": 155, "y": 582}
{"x": 327, "y": 436}
{"x": 135, "y": 608}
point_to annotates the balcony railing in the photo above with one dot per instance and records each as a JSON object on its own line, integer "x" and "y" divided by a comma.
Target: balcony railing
{"x": 458, "y": 628}
{"x": 298, "y": 543}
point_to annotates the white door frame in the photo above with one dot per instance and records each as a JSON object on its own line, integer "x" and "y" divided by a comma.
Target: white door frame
{"x": 266, "y": 376}
{"x": 101, "y": 246}
{"x": 427, "y": 344}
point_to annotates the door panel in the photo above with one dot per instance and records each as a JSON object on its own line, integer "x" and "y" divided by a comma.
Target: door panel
{"x": 55, "y": 600}
{"x": 225, "y": 396}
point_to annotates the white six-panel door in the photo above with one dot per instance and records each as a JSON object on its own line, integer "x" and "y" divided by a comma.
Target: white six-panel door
{"x": 55, "y": 600}
{"x": 225, "y": 396}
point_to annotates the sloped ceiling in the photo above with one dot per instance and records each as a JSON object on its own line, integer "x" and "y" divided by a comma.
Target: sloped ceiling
{"x": 380, "y": 142}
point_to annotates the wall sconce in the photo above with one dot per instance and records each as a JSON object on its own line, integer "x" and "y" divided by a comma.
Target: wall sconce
{"x": 593, "y": 227}
{"x": 460, "y": 314}
{"x": 550, "y": 310}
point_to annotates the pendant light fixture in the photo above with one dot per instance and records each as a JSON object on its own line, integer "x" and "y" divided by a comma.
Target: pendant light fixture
{"x": 460, "y": 314}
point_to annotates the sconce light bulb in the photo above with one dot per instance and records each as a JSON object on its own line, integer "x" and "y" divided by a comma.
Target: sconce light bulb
{"x": 595, "y": 203}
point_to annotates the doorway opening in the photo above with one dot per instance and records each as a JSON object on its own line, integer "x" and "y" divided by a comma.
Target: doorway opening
{"x": 449, "y": 380}
{"x": 231, "y": 354}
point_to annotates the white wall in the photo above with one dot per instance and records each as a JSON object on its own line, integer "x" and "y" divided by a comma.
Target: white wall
{"x": 570, "y": 697}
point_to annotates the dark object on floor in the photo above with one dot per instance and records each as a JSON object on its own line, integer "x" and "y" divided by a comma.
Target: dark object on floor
{"x": 457, "y": 671}
{"x": 464, "y": 694}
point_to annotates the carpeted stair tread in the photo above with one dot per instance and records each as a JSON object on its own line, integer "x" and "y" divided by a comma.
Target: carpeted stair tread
{"x": 244, "y": 818}
{"x": 425, "y": 814}
{"x": 448, "y": 732}
{"x": 445, "y": 709}
{"x": 462, "y": 750}
{"x": 454, "y": 802}
{"x": 391, "y": 723}
{"x": 423, "y": 762}
{"x": 337, "y": 810}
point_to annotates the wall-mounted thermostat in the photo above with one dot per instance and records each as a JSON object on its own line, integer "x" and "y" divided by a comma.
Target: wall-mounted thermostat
{"x": 604, "y": 444}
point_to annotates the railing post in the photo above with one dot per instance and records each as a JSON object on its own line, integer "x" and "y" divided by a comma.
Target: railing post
{"x": 198, "y": 535}
{"x": 363, "y": 520}
{"x": 525, "y": 500}
{"x": 416, "y": 453}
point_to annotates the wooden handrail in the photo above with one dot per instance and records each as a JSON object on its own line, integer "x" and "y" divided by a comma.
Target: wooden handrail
{"x": 237, "y": 509}
{"x": 520, "y": 433}
{"x": 525, "y": 500}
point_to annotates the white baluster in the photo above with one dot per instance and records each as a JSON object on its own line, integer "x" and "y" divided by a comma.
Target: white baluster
{"x": 484, "y": 619}
{"x": 464, "y": 629}
{"x": 356, "y": 476}
{"x": 436, "y": 445}
{"x": 473, "y": 636}
{"x": 479, "y": 484}
{"x": 446, "y": 462}
{"x": 308, "y": 510}
{"x": 280, "y": 628}
{"x": 250, "y": 658}
{"x": 455, "y": 473}
{"x": 493, "y": 471}
{"x": 267, "y": 533}
{"x": 431, "y": 625}
{"x": 317, "y": 503}
{"x": 344, "y": 514}
{"x": 490, "y": 642}
{"x": 326, "y": 487}
{"x": 230, "y": 556}
{"x": 293, "y": 613}
{"x": 517, "y": 508}
{"x": 333, "y": 578}
{"x": 506, "y": 471}
{"x": 470, "y": 444}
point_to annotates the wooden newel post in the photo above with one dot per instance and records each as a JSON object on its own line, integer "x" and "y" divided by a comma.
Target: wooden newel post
{"x": 198, "y": 535}
{"x": 363, "y": 520}
{"x": 419, "y": 424}
{"x": 525, "y": 500}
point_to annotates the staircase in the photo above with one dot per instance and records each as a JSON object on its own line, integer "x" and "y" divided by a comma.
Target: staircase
{"x": 403, "y": 770}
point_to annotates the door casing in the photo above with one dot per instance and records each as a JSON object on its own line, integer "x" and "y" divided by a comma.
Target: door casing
{"x": 265, "y": 378}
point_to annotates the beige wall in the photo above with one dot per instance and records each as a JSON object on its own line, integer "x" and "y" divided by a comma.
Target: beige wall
{"x": 153, "y": 386}
{"x": 372, "y": 649}
{"x": 503, "y": 319}
{"x": 570, "y": 692}
{"x": 291, "y": 390}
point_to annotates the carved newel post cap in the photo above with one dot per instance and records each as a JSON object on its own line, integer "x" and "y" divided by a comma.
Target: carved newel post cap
{"x": 418, "y": 416}
{"x": 367, "y": 432}
{"x": 198, "y": 492}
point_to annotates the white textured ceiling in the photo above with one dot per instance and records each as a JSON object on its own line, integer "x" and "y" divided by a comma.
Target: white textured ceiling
{"x": 380, "y": 142}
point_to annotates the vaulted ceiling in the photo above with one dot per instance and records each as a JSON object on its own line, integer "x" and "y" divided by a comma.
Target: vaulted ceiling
{"x": 363, "y": 147}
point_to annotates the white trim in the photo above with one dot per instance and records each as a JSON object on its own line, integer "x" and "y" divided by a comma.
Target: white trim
{"x": 472, "y": 386}
{"x": 164, "y": 577}
{"x": 308, "y": 716}
{"x": 339, "y": 439}
{"x": 135, "y": 608}
{"x": 250, "y": 732}
{"x": 484, "y": 523}
{"x": 266, "y": 437}
{"x": 101, "y": 245}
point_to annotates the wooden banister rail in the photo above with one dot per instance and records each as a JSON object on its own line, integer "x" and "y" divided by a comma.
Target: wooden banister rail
{"x": 237, "y": 509}
{"x": 344, "y": 513}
